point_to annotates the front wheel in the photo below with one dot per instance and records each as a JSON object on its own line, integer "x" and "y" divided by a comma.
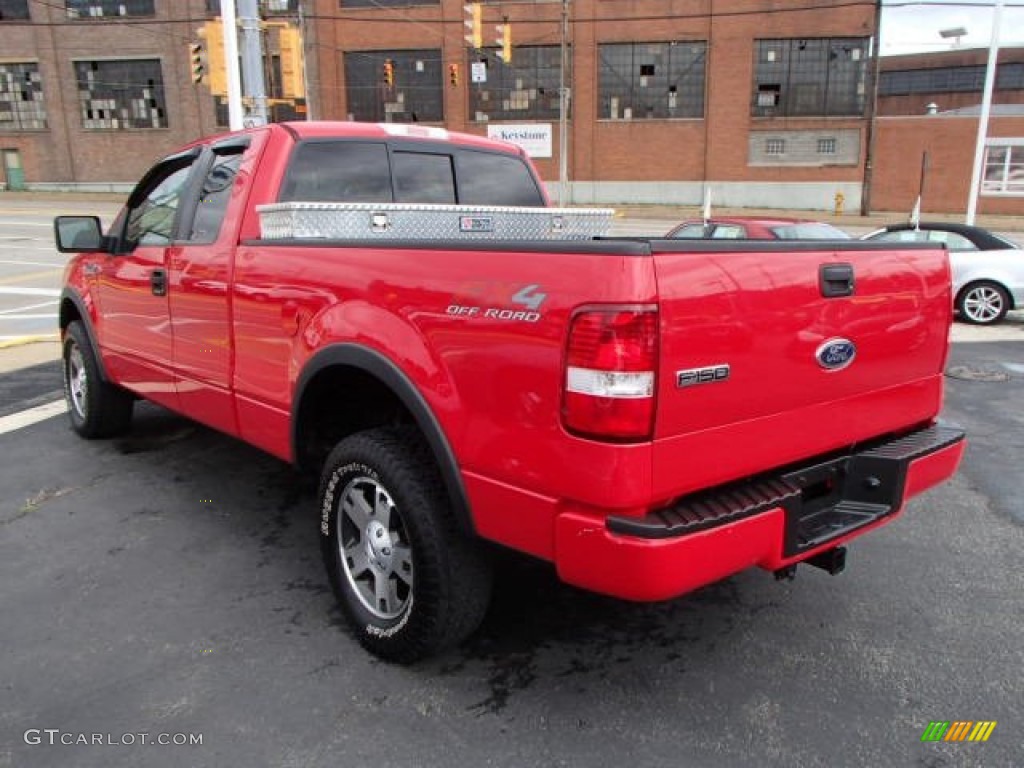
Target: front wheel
{"x": 97, "y": 408}
{"x": 410, "y": 583}
{"x": 983, "y": 303}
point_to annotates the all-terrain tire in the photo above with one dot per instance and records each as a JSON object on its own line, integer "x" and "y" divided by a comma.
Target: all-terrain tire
{"x": 96, "y": 407}
{"x": 409, "y": 581}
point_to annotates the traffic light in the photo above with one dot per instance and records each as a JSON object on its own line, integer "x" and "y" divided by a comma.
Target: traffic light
{"x": 389, "y": 73}
{"x": 474, "y": 24}
{"x": 212, "y": 33}
{"x": 505, "y": 41}
{"x": 290, "y": 43}
{"x": 195, "y": 59}
{"x": 453, "y": 74}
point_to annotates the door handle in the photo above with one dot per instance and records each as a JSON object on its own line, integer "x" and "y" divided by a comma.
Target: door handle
{"x": 836, "y": 280}
{"x": 158, "y": 282}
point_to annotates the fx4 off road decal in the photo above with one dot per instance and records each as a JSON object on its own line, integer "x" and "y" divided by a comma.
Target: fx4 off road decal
{"x": 495, "y": 300}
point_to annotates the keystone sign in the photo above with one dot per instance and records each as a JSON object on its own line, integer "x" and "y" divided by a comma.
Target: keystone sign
{"x": 534, "y": 138}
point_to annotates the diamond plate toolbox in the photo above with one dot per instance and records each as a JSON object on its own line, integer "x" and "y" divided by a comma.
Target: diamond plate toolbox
{"x": 408, "y": 221}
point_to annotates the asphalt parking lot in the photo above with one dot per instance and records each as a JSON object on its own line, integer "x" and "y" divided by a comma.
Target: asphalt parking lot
{"x": 169, "y": 583}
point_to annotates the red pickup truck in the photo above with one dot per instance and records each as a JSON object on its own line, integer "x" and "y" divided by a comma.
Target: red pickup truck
{"x": 649, "y": 415}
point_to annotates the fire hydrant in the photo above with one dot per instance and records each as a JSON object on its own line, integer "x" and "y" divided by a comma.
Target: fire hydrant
{"x": 840, "y": 199}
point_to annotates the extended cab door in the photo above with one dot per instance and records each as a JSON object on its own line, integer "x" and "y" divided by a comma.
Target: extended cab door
{"x": 199, "y": 275}
{"x": 134, "y": 325}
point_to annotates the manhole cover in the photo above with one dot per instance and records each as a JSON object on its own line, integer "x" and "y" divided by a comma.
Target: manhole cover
{"x": 977, "y": 373}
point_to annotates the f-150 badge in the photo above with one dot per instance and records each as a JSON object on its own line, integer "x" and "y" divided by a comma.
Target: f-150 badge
{"x": 836, "y": 354}
{"x": 691, "y": 377}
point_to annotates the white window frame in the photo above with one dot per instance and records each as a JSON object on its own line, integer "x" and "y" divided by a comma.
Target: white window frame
{"x": 1014, "y": 154}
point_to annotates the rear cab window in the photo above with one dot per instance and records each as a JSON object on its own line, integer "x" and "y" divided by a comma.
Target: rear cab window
{"x": 357, "y": 171}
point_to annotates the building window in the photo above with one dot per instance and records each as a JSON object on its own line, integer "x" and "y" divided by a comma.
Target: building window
{"x": 416, "y": 95}
{"x": 815, "y": 77}
{"x": 101, "y": 9}
{"x": 970, "y": 79}
{"x": 13, "y": 9}
{"x": 21, "y": 98}
{"x": 384, "y": 3}
{"x": 812, "y": 149}
{"x": 1004, "y": 170}
{"x": 124, "y": 94}
{"x": 642, "y": 81}
{"x": 526, "y": 89}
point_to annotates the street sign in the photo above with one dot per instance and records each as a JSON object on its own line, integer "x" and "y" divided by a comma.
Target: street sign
{"x": 478, "y": 72}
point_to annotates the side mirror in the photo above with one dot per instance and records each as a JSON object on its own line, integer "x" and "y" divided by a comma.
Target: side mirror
{"x": 79, "y": 234}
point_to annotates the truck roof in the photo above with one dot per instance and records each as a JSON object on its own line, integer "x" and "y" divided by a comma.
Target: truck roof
{"x": 314, "y": 129}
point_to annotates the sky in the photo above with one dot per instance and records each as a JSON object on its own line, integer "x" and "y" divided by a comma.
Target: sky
{"x": 914, "y": 27}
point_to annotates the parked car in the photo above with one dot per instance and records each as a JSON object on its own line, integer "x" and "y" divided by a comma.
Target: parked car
{"x": 750, "y": 228}
{"x": 988, "y": 269}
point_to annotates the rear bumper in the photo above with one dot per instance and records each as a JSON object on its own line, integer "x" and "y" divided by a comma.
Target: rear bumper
{"x": 771, "y": 522}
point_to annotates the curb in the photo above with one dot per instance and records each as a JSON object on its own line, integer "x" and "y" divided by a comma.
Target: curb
{"x": 22, "y": 341}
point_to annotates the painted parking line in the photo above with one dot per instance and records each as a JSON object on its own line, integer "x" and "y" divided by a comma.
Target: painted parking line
{"x": 29, "y": 276}
{"x": 10, "y": 314}
{"x": 26, "y": 263}
{"x": 32, "y": 416}
{"x": 19, "y": 290}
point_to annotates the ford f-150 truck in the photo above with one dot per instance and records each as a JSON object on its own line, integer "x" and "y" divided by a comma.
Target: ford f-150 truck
{"x": 397, "y": 309}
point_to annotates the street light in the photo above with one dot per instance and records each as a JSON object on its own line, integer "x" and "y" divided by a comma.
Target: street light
{"x": 953, "y": 32}
{"x": 986, "y": 103}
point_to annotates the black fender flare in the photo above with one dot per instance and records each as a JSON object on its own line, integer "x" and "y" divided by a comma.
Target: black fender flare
{"x": 70, "y": 294}
{"x": 380, "y": 367}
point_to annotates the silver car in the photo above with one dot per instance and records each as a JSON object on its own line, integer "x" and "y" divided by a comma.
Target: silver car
{"x": 988, "y": 270}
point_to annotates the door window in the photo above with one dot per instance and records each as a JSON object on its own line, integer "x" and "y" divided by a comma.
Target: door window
{"x": 152, "y": 220}
{"x": 214, "y": 197}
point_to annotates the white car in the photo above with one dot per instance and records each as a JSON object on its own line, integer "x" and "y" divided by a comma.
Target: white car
{"x": 988, "y": 270}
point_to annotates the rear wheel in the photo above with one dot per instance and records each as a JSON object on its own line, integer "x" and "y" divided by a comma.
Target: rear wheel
{"x": 410, "y": 583}
{"x": 983, "y": 303}
{"x": 96, "y": 407}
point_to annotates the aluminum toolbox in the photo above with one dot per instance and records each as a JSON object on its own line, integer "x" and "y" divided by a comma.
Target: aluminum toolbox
{"x": 409, "y": 221}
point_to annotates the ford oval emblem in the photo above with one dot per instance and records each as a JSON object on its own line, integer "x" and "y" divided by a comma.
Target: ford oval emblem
{"x": 836, "y": 354}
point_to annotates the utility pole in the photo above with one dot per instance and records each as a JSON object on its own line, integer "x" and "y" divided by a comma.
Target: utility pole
{"x": 252, "y": 63}
{"x": 986, "y": 104}
{"x": 869, "y": 141}
{"x": 563, "y": 111}
{"x": 227, "y": 15}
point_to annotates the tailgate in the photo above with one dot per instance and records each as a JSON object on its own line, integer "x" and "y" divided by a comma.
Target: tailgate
{"x": 773, "y": 353}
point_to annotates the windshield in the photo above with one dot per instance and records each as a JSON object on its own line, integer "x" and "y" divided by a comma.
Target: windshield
{"x": 809, "y": 230}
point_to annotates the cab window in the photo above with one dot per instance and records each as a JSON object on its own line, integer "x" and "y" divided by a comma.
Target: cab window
{"x": 338, "y": 172}
{"x": 423, "y": 178}
{"x": 151, "y": 221}
{"x": 214, "y": 197}
{"x": 494, "y": 179}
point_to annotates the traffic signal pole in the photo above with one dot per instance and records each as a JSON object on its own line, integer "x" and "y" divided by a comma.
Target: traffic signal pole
{"x": 227, "y": 14}
{"x": 252, "y": 63}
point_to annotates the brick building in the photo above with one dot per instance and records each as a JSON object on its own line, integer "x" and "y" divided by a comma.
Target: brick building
{"x": 766, "y": 103}
{"x": 93, "y": 91}
{"x": 665, "y": 96}
{"x": 928, "y": 107}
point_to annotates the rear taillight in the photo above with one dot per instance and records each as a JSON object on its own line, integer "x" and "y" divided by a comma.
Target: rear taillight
{"x": 611, "y": 362}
